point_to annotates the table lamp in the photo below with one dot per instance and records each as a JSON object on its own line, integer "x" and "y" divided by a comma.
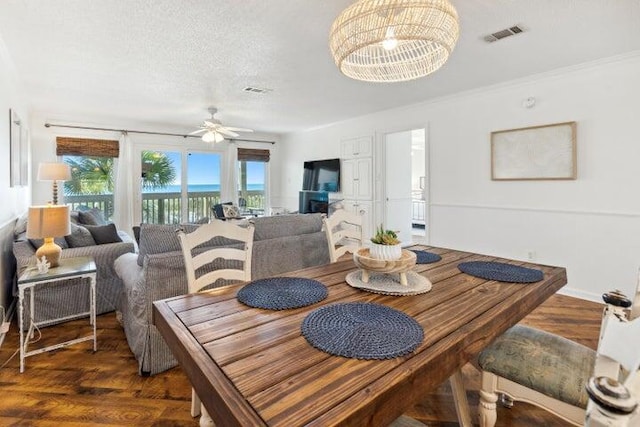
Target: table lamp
{"x": 54, "y": 172}
{"x": 47, "y": 222}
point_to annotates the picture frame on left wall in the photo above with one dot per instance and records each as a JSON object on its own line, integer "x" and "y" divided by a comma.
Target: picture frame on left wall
{"x": 15, "y": 147}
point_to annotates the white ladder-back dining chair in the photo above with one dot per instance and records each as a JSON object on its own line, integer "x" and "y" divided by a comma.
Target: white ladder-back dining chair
{"x": 344, "y": 233}
{"x": 206, "y": 263}
{"x": 529, "y": 365}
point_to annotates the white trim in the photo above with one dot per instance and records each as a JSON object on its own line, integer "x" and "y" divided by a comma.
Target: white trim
{"x": 520, "y": 82}
{"x": 532, "y": 209}
{"x": 580, "y": 294}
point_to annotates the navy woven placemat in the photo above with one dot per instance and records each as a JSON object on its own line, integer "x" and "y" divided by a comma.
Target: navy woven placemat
{"x": 424, "y": 257}
{"x": 501, "y": 272}
{"x": 282, "y": 293}
{"x": 362, "y": 331}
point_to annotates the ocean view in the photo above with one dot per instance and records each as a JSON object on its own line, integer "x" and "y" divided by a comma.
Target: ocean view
{"x": 199, "y": 188}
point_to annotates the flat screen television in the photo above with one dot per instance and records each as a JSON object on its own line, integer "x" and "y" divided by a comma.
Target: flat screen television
{"x": 322, "y": 175}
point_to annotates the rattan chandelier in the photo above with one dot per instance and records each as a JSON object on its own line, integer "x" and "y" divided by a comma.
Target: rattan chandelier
{"x": 393, "y": 40}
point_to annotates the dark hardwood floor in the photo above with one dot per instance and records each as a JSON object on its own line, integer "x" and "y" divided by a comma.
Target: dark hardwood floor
{"x": 74, "y": 386}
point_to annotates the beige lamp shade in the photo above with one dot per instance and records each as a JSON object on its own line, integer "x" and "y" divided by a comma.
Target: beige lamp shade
{"x": 393, "y": 40}
{"x": 47, "y": 222}
{"x": 54, "y": 172}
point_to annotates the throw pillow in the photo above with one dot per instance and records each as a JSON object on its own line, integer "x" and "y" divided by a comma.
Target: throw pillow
{"x": 230, "y": 211}
{"x": 21, "y": 224}
{"x": 103, "y": 234}
{"x": 74, "y": 217}
{"x": 92, "y": 217}
{"x": 79, "y": 237}
{"x": 218, "y": 211}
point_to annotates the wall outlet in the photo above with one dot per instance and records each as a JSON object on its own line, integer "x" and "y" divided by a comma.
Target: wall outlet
{"x": 4, "y": 328}
{"x": 531, "y": 255}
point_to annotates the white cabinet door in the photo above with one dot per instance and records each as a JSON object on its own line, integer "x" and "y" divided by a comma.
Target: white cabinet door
{"x": 348, "y": 179}
{"x": 356, "y": 179}
{"x": 364, "y": 179}
{"x": 357, "y": 147}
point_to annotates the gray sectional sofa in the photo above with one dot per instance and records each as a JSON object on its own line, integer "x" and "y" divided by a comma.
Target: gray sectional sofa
{"x": 71, "y": 296}
{"x": 282, "y": 244}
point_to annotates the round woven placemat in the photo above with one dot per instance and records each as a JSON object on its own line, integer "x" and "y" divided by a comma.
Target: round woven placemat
{"x": 362, "y": 331}
{"x": 282, "y": 293}
{"x": 389, "y": 283}
{"x": 501, "y": 272}
{"x": 424, "y": 257}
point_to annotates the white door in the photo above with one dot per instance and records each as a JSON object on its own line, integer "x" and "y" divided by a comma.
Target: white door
{"x": 397, "y": 184}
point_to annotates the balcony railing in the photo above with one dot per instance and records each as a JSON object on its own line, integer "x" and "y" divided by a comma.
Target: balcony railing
{"x": 165, "y": 208}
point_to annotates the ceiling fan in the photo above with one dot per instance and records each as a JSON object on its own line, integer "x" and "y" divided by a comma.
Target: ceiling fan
{"x": 214, "y": 131}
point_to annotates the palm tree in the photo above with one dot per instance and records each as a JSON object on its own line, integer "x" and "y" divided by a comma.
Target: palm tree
{"x": 89, "y": 175}
{"x": 94, "y": 175}
{"x": 157, "y": 170}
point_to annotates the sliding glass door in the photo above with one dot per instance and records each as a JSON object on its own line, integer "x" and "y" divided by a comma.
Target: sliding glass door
{"x": 178, "y": 186}
{"x": 252, "y": 187}
{"x": 203, "y": 185}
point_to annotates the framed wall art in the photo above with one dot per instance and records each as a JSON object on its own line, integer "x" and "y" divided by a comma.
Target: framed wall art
{"x": 24, "y": 155}
{"x": 15, "y": 178}
{"x": 534, "y": 153}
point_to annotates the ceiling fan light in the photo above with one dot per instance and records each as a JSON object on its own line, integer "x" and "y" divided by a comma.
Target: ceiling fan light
{"x": 426, "y": 32}
{"x": 209, "y": 137}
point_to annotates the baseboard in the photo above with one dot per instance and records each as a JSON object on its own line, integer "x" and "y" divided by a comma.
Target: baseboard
{"x": 577, "y": 293}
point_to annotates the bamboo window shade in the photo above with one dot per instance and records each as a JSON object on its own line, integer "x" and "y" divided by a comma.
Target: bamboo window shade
{"x": 67, "y": 146}
{"x": 253, "y": 155}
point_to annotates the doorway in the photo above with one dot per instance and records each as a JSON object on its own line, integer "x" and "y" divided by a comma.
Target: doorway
{"x": 406, "y": 188}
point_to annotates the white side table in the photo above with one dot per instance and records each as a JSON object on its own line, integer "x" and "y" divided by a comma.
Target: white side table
{"x": 69, "y": 268}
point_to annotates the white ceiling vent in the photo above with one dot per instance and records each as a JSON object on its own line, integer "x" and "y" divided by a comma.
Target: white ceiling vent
{"x": 254, "y": 89}
{"x": 507, "y": 32}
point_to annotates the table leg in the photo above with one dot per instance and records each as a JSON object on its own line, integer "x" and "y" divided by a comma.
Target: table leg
{"x": 21, "y": 326}
{"x": 32, "y": 310}
{"x": 365, "y": 276}
{"x": 403, "y": 279}
{"x": 92, "y": 315}
{"x": 460, "y": 399}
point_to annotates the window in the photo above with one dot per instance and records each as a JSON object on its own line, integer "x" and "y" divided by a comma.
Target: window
{"x": 167, "y": 197}
{"x": 92, "y": 173}
{"x": 252, "y": 180}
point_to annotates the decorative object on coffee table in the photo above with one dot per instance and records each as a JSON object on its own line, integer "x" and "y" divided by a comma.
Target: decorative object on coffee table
{"x": 386, "y": 245}
{"x": 363, "y": 259}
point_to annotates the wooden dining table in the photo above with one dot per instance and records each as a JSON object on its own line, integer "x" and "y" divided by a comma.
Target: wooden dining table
{"x": 253, "y": 367}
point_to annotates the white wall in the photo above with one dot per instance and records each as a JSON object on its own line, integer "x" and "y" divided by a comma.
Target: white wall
{"x": 13, "y": 200}
{"x": 591, "y": 225}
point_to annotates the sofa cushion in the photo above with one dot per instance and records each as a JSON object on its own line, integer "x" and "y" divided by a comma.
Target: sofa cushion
{"x": 91, "y": 217}
{"x": 79, "y": 237}
{"x": 160, "y": 238}
{"x": 103, "y": 234}
{"x": 271, "y": 227}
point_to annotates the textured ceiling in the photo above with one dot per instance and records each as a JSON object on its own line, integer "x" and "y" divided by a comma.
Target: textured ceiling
{"x": 165, "y": 61}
